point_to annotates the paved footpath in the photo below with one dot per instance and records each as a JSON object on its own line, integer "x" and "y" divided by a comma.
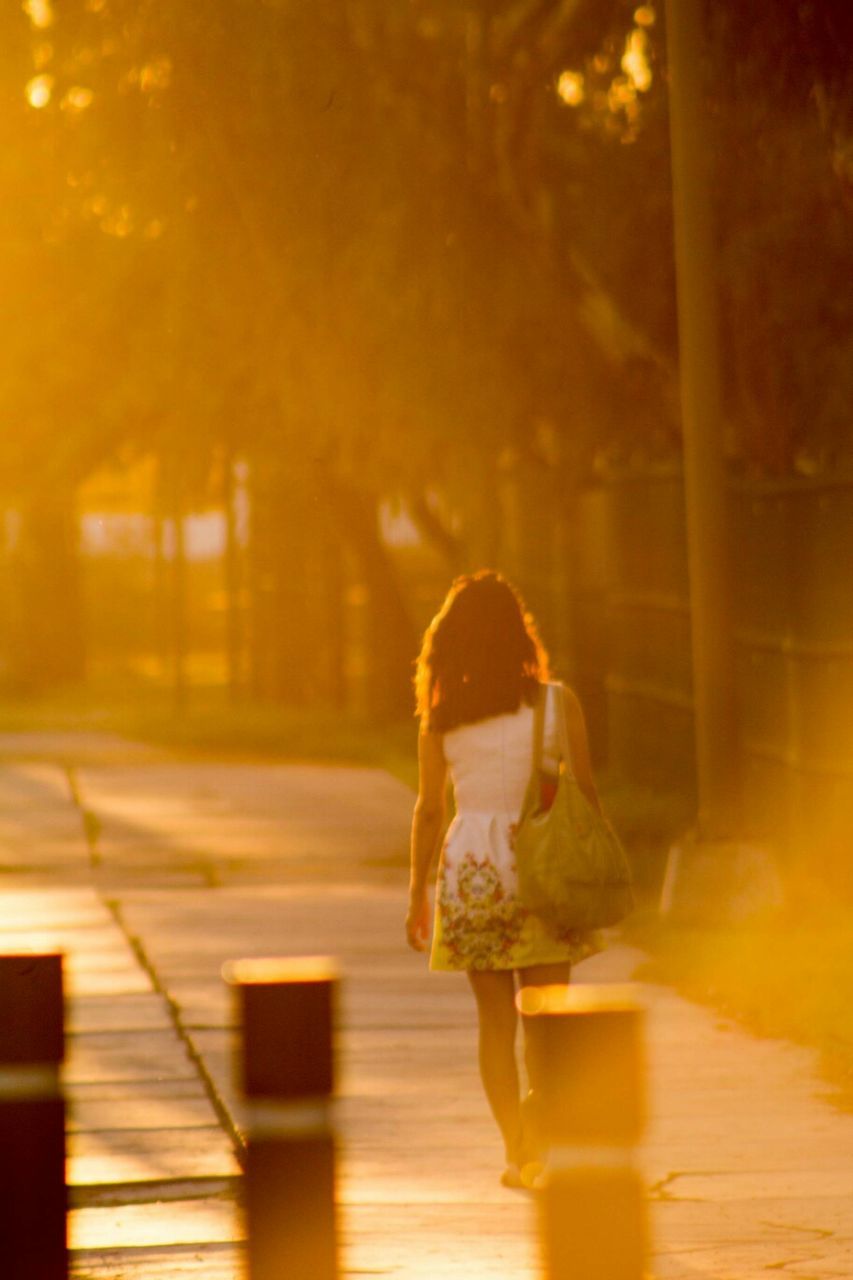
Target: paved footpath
{"x": 151, "y": 872}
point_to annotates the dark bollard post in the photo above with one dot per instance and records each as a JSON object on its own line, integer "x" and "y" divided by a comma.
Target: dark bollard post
{"x": 591, "y": 1109}
{"x": 32, "y": 1119}
{"x": 286, "y": 1072}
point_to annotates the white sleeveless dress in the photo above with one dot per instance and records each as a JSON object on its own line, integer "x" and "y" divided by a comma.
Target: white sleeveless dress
{"x": 479, "y": 921}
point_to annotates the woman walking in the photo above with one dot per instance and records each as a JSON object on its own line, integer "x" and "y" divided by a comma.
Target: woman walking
{"x": 478, "y": 679}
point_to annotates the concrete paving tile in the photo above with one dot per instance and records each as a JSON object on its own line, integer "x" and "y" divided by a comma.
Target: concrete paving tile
{"x": 827, "y": 1261}
{"x": 30, "y": 843}
{"x": 63, "y": 863}
{"x": 78, "y": 941}
{"x": 252, "y": 810}
{"x": 144, "y": 1011}
{"x": 825, "y": 1183}
{"x": 25, "y": 908}
{"x": 203, "y": 1002}
{"x": 119, "y": 979}
{"x": 365, "y": 1179}
{"x": 103, "y": 1156}
{"x": 142, "y": 1112}
{"x": 489, "y": 1241}
{"x": 130, "y": 1090}
{"x": 116, "y": 874}
{"x": 113, "y": 956}
{"x": 169, "y": 1223}
{"x": 181, "y": 1262}
{"x": 683, "y": 1222}
{"x": 157, "y": 1055}
{"x": 22, "y": 782}
{"x": 734, "y": 1261}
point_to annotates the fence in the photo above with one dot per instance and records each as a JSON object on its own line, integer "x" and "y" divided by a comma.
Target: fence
{"x": 793, "y": 611}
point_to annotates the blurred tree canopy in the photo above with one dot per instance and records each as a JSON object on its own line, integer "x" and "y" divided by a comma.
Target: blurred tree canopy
{"x": 399, "y": 251}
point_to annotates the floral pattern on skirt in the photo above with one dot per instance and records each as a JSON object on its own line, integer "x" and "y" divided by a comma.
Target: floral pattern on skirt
{"x": 481, "y": 924}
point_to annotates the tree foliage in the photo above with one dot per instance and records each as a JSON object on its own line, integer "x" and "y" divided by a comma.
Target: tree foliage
{"x": 407, "y": 250}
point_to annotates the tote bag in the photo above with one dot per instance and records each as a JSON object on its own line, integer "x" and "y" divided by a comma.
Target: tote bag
{"x": 572, "y": 870}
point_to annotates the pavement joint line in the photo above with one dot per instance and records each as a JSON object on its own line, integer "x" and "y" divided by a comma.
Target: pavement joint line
{"x": 819, "y": 1233}
{"x": 141, "y": 1252}
{"x": 91, "y": 830}
{"x": 109, "y": 1194}
{"x": 199, "y": 864}
{"x": 89, "y": 819}
{"x": 218, "y": 1104}
{"x": 660, "y": 1191}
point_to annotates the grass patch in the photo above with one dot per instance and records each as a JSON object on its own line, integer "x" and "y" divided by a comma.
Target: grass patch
{"x": 788, "y": 977}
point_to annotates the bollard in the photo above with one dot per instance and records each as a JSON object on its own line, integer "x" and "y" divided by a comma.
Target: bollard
{"x": 588, "y": 1042}
{"x": 286, "y": 1074}
{"x": 32, "y": 1119}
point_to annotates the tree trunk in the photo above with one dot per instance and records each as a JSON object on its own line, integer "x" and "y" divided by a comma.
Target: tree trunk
{"x": 233, "y": 586}
{"x": 47, "y": 635}
{"x": 178, "y": 611}
{"x": 392, "y": 640}
{"x": 287, "y": 559}
{"x": 334, "y": 586}
{"x": 162, "y": 639}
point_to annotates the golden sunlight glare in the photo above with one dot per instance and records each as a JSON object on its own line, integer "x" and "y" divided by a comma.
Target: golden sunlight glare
{"x": 635, "y": 62}
{"x": 155, "y": 75}
{"x": 570, "y": 88}
{"x": 645, "y": 16}
{"x": 621, "y": 95}
{"x": 39, "y": 12}
{"x": 118, "y": 222}
{"x": 78, "y": 98}
{"x": 39, "y": 91}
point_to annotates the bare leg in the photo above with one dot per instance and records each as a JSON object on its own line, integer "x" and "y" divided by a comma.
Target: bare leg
{"x": 539, "y": 975}
{"x": 494, "y": 991}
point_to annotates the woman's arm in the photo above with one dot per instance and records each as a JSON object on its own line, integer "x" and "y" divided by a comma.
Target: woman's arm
{"x": 427, "y": 826}
{"x": 579, "y": 748}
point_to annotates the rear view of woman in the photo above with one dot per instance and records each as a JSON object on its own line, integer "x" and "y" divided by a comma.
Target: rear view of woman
{"x": 478, "y": 679}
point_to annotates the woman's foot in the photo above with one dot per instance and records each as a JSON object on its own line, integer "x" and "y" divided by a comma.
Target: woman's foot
{"x": 527, "y": 1177}
{"x": 532, "y": 1174}
{"x": 511, "y": 1177}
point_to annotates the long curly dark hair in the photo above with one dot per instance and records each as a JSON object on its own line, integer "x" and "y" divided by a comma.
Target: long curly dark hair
{"x": 481, "y": 654}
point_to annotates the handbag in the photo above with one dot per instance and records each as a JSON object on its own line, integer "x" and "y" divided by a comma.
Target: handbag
{"x": 572, "y": 869}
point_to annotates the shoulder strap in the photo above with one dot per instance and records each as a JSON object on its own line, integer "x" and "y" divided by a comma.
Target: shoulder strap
{"x": 539, "y": 726}
{"x": 558, "y": 698}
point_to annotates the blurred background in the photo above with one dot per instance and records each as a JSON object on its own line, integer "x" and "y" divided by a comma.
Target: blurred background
{"x": 308, "y": 308}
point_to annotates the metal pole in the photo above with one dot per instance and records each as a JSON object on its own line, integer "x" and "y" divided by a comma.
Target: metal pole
{"x": 286, "y": 1071}
{"x": 591, "y": 1113}
{"x": 32, "y": 1119}
{"x": 704, "y": 474}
